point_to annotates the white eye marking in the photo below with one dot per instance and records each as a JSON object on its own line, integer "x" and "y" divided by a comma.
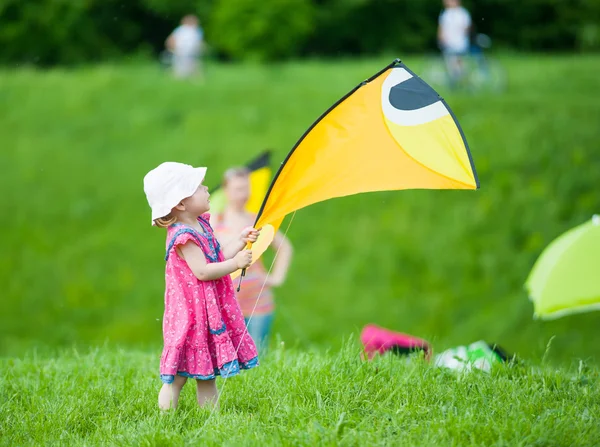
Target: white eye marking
{"x": 410, "y": 117}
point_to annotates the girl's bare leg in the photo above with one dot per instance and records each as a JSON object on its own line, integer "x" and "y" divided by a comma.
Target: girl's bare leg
{"x": 206, "y": 393}
{"x": 169, "y": 394}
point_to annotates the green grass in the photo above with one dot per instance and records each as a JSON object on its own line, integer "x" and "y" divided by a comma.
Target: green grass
{"x": 108, "y": 396}
{"x": 81, "y": 265}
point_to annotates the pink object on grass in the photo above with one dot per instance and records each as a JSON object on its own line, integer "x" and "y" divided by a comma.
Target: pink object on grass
{"x": 376, "y": 339}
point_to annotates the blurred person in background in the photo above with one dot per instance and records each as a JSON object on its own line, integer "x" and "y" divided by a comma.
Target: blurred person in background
{"x": 454, "y": 27}
{"x": 255, "y": 296}
{"x": 186, "y": 43}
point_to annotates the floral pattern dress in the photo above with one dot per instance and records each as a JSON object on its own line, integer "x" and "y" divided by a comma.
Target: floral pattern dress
{"x": 203, "y": 327}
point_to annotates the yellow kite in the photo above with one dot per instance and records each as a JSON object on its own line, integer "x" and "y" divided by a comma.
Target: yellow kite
{"x": 391, "y": 132}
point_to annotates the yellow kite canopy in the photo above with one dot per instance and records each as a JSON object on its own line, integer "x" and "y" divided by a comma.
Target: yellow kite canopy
{"x": 391, "y": 132}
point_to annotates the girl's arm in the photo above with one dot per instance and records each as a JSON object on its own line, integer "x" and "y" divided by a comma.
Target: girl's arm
{"x": 234, "y": 246}
{"x": 283, "y": 248}
{"x": 194, "y": 257}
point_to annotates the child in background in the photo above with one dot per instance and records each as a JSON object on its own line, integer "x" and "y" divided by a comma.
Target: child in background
{"x": 203, "y": 328}
{"x": 454, "y": 27}
{"x": 185, "y": 43}
{"x": 256, "y": 296}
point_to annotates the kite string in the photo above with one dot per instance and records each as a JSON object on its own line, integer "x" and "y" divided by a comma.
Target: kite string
{"x": 216, "y": 404}
{"x": 267, "y": 275}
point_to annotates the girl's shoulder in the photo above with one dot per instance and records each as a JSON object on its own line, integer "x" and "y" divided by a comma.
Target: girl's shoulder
{"x": 179, "y": 235}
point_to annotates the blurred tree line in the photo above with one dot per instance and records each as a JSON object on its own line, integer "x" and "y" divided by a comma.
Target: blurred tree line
{"x": 49, "y": 32}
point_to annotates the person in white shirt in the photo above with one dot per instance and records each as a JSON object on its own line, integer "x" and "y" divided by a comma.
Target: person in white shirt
{"x": 454, "y": 27}
{"x": 185, "y": 43}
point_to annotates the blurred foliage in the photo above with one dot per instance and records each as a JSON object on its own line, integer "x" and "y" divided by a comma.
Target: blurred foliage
{"x": 247, "y": 29}
{"x": 65, "y": 31}
{"x": 363, "y": 26}
{"x": 80, "y": 262}
{"x": 546, "y": 25}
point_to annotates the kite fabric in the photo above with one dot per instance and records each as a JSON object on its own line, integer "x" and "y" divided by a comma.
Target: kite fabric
{"x": 260, "y": 176}
{"x": 564, "y": 280}
{"x": 391, "y": 132}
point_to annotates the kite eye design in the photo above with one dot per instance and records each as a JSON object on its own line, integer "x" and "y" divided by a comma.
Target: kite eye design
{"x": 408, "y": 101}
{"x": 419, "y": 121}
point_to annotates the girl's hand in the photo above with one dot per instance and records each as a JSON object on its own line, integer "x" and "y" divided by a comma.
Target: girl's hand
{"x": 249, "y": 235}
{"x": 243, "y": 259}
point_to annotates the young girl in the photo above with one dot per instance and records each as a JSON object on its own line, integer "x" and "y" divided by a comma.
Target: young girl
{"x": 256, "y": 296}
{"x": 203, "y": 328}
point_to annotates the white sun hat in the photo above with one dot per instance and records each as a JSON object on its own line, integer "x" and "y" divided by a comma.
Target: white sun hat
{"x": 168, "y": 184}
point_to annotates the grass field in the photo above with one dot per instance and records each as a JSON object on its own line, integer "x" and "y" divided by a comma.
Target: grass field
{"x": 108, "y": 397}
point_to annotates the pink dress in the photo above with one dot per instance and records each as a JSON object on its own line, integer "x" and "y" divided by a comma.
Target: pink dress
{"x": 203, "y": 327}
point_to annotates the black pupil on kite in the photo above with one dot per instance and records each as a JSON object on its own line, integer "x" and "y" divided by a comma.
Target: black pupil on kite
{"x": 412, "y": 94}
